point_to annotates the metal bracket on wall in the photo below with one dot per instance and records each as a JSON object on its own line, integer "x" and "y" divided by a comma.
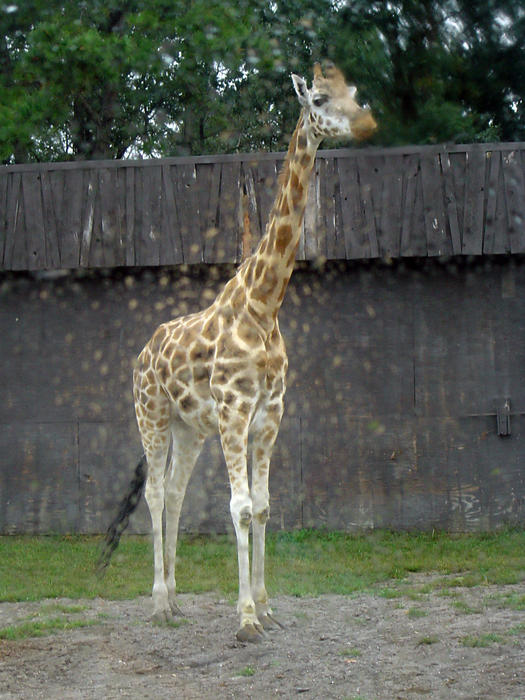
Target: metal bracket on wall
{"x": 503, "y": 417}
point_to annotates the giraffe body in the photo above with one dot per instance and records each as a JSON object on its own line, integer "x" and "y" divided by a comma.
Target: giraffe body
{"x": 223, "y": 370}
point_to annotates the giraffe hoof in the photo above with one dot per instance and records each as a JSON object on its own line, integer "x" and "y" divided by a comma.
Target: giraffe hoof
{"x": 175, "y": 610}
{"x": 166, "y": 616}
{"x": 250, "y": 633}
{"x": 161, "y": 617}
{"x": 269, "y": 622}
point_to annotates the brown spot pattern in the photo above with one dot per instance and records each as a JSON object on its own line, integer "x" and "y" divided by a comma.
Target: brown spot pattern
{"x": 188, "y": 403}
{"x": 284, "y": 238}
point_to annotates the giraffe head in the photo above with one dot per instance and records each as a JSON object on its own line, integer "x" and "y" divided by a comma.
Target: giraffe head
{"x": 330, "y": 105}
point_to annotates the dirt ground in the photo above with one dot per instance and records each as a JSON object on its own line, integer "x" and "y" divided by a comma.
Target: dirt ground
{"x": 449, "y": 643}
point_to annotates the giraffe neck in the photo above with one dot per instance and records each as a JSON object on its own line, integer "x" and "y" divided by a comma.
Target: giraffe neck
{"x": 267, "y": 272}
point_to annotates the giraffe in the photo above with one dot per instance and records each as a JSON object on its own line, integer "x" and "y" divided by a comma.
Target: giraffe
{"x": 223, "y": 369}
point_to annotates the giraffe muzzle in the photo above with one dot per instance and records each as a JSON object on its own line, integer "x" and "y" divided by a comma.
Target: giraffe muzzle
{"x": 363, "y": 126}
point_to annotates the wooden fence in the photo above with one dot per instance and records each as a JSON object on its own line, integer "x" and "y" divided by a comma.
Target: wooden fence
{"x": 400, "y": 202}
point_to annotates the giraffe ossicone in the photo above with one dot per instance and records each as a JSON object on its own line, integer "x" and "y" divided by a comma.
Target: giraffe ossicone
{"x": 223, "y": 370}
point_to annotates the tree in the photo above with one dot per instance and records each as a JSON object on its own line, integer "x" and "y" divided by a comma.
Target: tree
{"x": 123, "y": 78}
{"x": 437, "y": 70}
{"x": 491, "y": 63}
{"x": 101, "y": 79}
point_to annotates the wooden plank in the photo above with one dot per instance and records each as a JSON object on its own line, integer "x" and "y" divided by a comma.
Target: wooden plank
{"x": 155, "y": 209}
{"x": 19, "y": 251}
{"x": 474, "y": 202}
{"x": 120, "y": 238}
{"x": 50, "y": 222}
{"x": 71, "y": 216}
{"x": 315, "y": 240}
{"x": 514, "y": 184}
{"x": 328, "y": 239}
{"x": 230, "y": 224}
{"x": 502, "y": 234}
{"x": 183, "y": 178}
{"x": 88, "y": 217}
{"x": 92, "y": 218}
{"x": 13, "y": 210}
{"x": 266, "y": 188}
{"x": 3, "y": 214}
{"x": 211, "y": 216}
{"x": 138, "y": 215}
{"x": 458, "y": 166}
{"x": 56, "y": 184}
{"x": 147, "y": 238}
{"x": 451, "y": 208}
{"x": 170, "y": 244}
{"x": 339, "y": 248}
{"x": 433, "y": 214}
{"x": 309, "y": 236}
{"x": 418, "y": 237}
{"x": 203, "y": 179}
{"x": 34, "y": 221}
{"x": 366, "y": 181}
{"x": 376, "y": 174}
{"x": 207, "y": 181}
{"x": 130, "y": 216}
{"x": 250, "y": 180}
{"x": 357, "y": 244}
{"x": 390, "y": 212}
{"x": 411, "y": 170}
{"x": 188, "y": 192}
{"x": 113, "y": 254}
{"x": 491, "y": 242}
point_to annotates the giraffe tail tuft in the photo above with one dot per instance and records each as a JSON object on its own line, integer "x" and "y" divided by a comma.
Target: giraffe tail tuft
{"x": 120, "y": 522}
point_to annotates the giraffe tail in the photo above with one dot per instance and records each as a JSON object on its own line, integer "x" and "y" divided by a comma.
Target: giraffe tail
{"x": 120, "y": 522}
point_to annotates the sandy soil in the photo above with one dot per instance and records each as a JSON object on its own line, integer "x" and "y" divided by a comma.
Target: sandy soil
{"x": 368, "y": 646}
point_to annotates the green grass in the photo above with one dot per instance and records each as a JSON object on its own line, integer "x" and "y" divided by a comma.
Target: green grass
{"x": 351, "y": 652}
{"x": 247, "y": 671}
{"x": 482, "y": 640}
{"x": 512, "y": 601}
{"x": 301, "y": 563}
{"x": 466, "y": 609}
{"x": 39, "y": 628}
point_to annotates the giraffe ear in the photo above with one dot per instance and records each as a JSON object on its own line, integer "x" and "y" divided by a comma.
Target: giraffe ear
{"x": 301, "y": 89}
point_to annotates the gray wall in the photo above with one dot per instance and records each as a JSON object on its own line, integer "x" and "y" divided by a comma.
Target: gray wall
{"x": 396, "y": 373}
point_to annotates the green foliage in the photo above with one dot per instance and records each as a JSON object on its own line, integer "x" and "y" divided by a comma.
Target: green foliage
{"x": 117, "y": 79}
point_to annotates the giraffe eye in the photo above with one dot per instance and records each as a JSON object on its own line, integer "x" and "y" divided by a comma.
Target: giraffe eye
{"x": 320, "y": 100}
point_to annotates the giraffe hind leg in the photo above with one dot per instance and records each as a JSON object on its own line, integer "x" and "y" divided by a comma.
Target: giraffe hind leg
{"x": 154, "y": 493}
{"x": 186, "y": 447}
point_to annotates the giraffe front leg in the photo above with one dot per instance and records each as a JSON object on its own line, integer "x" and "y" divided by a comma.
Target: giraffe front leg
{"x": 250, "y": 629}
{"x": 234, "y": 439}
